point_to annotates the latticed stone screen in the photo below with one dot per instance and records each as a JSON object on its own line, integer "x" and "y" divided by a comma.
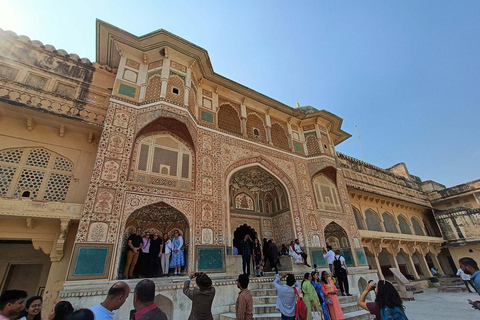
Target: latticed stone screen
{"x": 35, "y": 173}
{"x": 162, "y": 158}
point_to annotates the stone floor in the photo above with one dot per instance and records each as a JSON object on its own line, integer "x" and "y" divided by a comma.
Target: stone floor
{"x": 434, "y": 305}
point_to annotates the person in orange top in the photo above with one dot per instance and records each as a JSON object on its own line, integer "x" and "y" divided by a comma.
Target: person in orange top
{"x": 331, "y": 298}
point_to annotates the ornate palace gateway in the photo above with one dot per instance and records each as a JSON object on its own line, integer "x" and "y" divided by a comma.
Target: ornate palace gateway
{"x": 150, "y": 137}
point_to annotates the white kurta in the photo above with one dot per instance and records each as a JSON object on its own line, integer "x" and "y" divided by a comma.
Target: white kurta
{"x": 296, "y": 257}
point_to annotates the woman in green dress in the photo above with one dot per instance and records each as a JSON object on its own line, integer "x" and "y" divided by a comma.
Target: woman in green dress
{"x": 310, "y": 295}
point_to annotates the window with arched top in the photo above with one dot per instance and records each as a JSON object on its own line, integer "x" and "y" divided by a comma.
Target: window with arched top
{"x": 163, "y": 159}
{"x": 34, "y": 173}
{"x": 417, "y": 228}
{"x": 403, "y": 224}
{"x": 373, "y": 223}
{"x": 358, "y": 219}
{"x": 389, "y": 223}
{"x": 326, "y": 194}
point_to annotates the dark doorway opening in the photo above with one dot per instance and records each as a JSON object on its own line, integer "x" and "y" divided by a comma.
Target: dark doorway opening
{"x": 240, "y": 233}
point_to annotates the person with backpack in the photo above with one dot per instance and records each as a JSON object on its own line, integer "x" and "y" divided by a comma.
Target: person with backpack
{"x": 287, "y": 296}
{"x": 340, "y": 271}
{"x": 387, "y": 305}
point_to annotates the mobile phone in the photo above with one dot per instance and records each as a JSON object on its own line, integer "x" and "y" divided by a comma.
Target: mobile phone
{"x": 470, "y": 301}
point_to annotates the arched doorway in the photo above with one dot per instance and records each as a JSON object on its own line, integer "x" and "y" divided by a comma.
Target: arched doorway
{"x": 259, "y": 201}
{"x": 156, "y": 218}
{"x": 337, "y": 237}
{"x": 240, "y": 233}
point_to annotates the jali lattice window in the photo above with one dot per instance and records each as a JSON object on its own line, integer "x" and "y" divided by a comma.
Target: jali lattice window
{"x": 162, "y": 159}
{"x": 326, "y": 194}
{"x": 35, "y": 173}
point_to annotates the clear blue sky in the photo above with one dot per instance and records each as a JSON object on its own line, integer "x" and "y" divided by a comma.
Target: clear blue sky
{"x": 406, "y": 73}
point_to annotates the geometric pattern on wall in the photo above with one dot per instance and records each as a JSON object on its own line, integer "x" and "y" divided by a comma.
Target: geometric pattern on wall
{"x": 34, "y": 173}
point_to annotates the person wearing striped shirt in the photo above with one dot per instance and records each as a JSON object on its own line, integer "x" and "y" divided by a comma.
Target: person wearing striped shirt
{"x": 244, "y": 305}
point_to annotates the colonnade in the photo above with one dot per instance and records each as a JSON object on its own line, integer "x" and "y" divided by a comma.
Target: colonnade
{"x": 376, "y": 249}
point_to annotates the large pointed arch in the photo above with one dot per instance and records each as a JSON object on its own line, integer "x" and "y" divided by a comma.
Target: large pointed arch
{"x": 296, "y": 221}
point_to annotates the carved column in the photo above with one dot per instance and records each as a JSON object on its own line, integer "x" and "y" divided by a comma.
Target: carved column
{"x": 268, "y": 127}
{"x": 376, "y": 249}
{"x": 165, "y": 76}
{"x": 410, "y": 264}
{"x": 423, "y": 250}
{"x": 394, "y": 249}
{"x": 435, "y": 251}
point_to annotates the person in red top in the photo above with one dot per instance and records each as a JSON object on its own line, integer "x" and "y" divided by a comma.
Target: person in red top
{"x": 244, "y": 305}
{"x": 143, "y": 301}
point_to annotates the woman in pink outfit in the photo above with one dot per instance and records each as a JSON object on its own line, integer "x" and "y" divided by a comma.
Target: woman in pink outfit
{"x": 330, "y": 291}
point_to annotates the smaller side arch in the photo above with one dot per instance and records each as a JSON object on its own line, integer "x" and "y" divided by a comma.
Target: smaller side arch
{"x": 389, "y": 223}
{"x": 404, "y": 227}
{"x": 417, "y": 228}
{"x": 373, "y": 222}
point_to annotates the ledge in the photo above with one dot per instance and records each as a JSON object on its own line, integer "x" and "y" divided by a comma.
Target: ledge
{"x": 398, "y": 236}
{"x": 40, "y": 209}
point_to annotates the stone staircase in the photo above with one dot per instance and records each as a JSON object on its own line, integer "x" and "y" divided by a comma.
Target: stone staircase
{"x": 265, "y": 299}
{"x": 451, "y": 284}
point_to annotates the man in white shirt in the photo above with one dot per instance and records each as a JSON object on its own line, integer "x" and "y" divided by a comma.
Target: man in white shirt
{"x": 299, "y": 251}
{"x": 287, "y": 297}
{"x": 329, "y": 257}
{"x": 116, "y": 297}
{"x": 466, "y": 279}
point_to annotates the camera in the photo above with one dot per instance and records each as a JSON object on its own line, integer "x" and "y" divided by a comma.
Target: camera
{"x": 373, "y": 288}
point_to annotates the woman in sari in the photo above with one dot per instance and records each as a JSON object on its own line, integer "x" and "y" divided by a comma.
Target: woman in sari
{"x": 318, "y": 287}
{"x": 331, "y": 298}
{"x": 178, "y": 261}
{"x": 310, "y": 295}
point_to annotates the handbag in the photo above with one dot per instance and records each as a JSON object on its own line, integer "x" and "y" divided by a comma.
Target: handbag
{"x": 317, "y": 315}
{"x": 328, "y": 301}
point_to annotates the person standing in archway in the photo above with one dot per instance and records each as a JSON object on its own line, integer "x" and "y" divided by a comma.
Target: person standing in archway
{"x": 246, "y": 246}
{"x": 134, "y": 245}
{"x": 166, "y": 249}
{"x": 178, "y": 260}
{"x": 340, "y": 271}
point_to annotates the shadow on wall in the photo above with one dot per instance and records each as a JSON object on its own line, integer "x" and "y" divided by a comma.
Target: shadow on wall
{"x": 166, "y": 305}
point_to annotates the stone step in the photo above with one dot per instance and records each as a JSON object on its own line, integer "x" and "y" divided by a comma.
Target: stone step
{"x": 350, "y": 307}
{"x": 264, "y": 299}
{"x": 452, "y": 288}
{"x": 264, "y": 292}
{"x": 270, "y": 307}
{"x": 354, "y": 315}
{"x": 450, "y": 281}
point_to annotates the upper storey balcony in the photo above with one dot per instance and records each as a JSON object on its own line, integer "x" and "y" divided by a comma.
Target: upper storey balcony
{"x": 162, "y": 68}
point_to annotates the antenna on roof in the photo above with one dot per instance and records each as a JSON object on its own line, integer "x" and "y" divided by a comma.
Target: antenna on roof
{"x": 360, "y": 143}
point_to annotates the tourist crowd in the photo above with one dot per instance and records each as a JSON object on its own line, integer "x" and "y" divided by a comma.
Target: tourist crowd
{"x": 318, "y": 299}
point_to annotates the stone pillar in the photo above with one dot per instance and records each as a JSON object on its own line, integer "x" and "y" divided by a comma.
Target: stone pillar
{"x": 188, "y": 86}
{"x": 268, "y": 125}
{"x": 243, "y": 118}
{"x": 165, "y": 76}
{"x": 377, "y": 266}
{"x": 411, "y": 266}
{"x": 434, "y": 252}
{"x": 424, "y": 266}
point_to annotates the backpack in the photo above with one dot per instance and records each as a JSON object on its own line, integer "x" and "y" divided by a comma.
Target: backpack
{"x": 338, "y": 265}
{"x": 301, "y": 310}
{"x": 395, "y": 313}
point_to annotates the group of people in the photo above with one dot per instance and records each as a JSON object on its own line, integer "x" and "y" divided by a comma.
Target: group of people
{"x": 269, "y": 253}
{"x": 152, "y": 256}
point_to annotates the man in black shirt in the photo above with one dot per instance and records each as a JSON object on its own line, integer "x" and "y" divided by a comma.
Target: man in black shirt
{"x": 155, "y": 244}
{"x": 246, "y": 246}
{"x": 134, "y": 245}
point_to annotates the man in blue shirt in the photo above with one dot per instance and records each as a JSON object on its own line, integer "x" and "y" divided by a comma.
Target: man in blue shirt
{"x": 287, "y": 298}
{"x": 470, "y": 266}
{"x": 116, "y": 297}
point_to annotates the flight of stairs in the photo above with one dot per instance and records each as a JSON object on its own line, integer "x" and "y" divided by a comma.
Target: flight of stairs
{"x": 265, "y": 299}
{"x": 451, "y": 284}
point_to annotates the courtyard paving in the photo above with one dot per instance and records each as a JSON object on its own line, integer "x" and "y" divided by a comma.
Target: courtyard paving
{"x": 434, "y": 305}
